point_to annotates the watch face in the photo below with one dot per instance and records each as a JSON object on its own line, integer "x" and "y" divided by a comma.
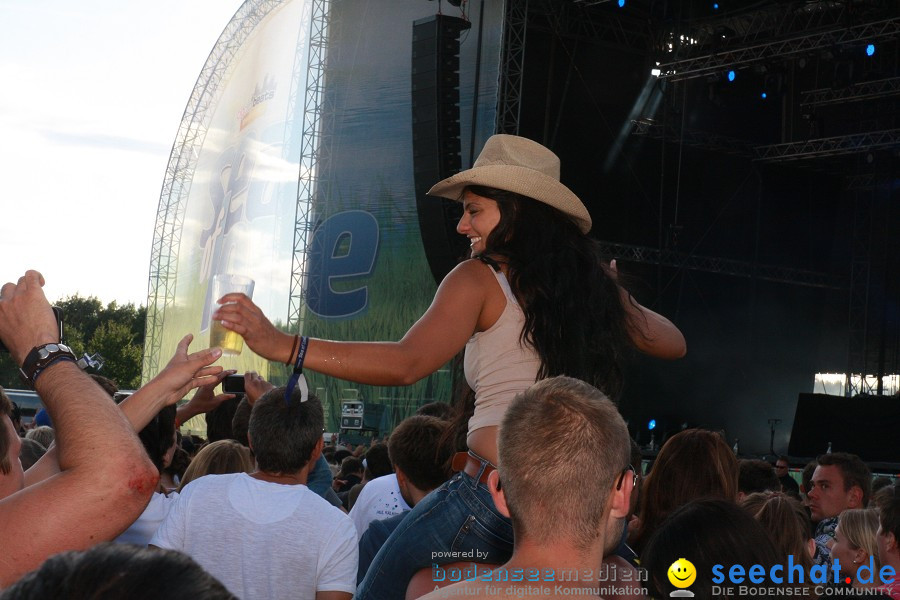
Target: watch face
{"x": 50, "y": 349}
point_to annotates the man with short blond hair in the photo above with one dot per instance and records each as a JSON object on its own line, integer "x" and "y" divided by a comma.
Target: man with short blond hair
{"x": 565, "y": 481}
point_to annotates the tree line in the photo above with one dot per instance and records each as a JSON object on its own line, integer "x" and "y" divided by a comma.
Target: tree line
{"x": 114, "y": 331}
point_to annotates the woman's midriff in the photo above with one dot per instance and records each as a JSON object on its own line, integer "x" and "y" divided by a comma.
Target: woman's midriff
{"x": 483, "y": 442}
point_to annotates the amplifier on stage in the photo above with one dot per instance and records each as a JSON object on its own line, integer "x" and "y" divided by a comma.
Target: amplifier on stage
{"x": 352, "y": 413}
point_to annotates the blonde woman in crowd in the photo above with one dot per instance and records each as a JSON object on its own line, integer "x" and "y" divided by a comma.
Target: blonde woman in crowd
{"x": 218, "y": 458}
{"x": 856, "y": 548}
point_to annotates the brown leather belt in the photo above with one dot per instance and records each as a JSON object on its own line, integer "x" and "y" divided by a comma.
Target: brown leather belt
{"x": 470, "y": 465}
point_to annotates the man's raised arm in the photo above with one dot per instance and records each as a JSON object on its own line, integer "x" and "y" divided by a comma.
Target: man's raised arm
{"x": 106, "y": 478}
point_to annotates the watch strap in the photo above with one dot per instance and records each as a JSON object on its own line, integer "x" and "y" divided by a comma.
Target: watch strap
{"x": 42, "y": 357}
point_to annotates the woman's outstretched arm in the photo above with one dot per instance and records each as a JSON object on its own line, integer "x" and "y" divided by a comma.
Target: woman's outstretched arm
{"x": 433, "y": 340}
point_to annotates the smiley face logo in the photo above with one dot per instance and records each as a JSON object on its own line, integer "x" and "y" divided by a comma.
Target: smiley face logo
{"x": 682, "y": 573}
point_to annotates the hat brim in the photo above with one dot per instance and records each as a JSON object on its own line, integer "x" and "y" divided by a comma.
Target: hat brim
{"x": 520, "y": 180}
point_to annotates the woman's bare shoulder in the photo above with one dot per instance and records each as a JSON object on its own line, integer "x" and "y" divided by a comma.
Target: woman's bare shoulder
{"x": 471, "y": 271}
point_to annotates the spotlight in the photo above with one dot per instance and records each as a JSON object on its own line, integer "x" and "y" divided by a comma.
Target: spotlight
{"x": 621, "y": 3}
{"x": 764, "y": 95}
{"x": 870, "y": 49}
{"x": 651, "y": 425}
{"x": 715, "y": 6}
{"x": 731, "y": 75}
{"x": 655, "y": 72}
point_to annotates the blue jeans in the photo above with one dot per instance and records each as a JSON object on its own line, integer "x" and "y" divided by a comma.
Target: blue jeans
{"x": 459, "y": 516}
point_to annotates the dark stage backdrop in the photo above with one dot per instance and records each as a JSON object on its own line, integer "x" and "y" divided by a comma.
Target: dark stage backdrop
{"x": 863, "y": 425}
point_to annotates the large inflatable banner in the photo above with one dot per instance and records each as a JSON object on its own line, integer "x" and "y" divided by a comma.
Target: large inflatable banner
{"x": 364, "y": 271}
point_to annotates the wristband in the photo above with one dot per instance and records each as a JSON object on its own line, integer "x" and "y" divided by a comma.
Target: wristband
{"x": 42, "y": 357}
{"x": 297, "y": 376}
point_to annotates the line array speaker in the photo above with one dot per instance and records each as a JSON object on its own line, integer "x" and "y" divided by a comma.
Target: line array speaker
{"x": 436, "y": 138}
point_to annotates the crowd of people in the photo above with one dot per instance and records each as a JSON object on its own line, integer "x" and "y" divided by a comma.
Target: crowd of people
{"x": 530, "y": 486}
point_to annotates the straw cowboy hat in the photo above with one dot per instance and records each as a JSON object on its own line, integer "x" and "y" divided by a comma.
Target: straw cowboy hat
{"x": 520, "y": 165}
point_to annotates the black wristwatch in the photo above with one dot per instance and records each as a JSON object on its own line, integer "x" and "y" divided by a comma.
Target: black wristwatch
{"x": 42, "y": 357}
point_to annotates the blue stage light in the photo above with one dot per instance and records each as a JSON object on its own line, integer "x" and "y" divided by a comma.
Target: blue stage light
{"x": 764, "y": 95}
{"x": 731, "y": 75}
{"x": 870, "y": 49}
{"x": 621, "y": 3}
{"x": 652, "y": 424}
{"x": 715, "y": 6}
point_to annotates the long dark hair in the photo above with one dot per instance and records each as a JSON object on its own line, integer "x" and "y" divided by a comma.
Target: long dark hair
{"x": 574, "y": 316}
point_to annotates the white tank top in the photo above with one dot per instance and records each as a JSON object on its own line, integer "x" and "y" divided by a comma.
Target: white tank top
{"x": 497, "y": 364}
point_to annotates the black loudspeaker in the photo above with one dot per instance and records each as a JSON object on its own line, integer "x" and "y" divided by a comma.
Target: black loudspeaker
{"x": 863, "y": 425}
{"x": 436, "y": 140}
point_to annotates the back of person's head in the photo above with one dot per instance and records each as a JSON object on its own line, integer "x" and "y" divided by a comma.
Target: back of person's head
{"x": 787, "y": 523}
{"x": 889, "y": 517}
{"x": 5, "y": 433}
{"x": 218, "y": 421}
{"x": 181, "y": 460}
{"x": 340, "y": 454}
{"x": 859, "y": 526}
{"x": 692, "y": 464}
{"x": 855, "y": 472}
{"x": 109, "y": 386}
{"x": 557, "y": 433}
{"x": 351, "y": 465}
{"x": 158, "y": 436}
{"x": 415, "y": 448}
{"x": 882, "y": 496}
{"x": 240, "y": 422}
{"x": 441, "y": 410}
{"x": 707, "y": 533}
{"x": 879, "y": 483}
{"x": 43, "y": 435}
{"x": 30, "y": 452}
{"x": 112, "y": 571}
{"x": 218, "y": 458}
{"x": 284, "y": 434}
{"x": 756, "y": 476}
{"x": 15, "y": 415}
{"x": 378, "y": 461}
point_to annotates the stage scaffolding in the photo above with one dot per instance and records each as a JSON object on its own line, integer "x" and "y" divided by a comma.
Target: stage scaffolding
{"x": 180, "y": 171}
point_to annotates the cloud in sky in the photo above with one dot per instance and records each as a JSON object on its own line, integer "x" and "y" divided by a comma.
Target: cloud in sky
{"x": 101, "y": 141}
{"x": 93, "y": 96}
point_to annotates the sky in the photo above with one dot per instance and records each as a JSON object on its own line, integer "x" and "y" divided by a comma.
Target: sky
{"x": 91, "y": 99}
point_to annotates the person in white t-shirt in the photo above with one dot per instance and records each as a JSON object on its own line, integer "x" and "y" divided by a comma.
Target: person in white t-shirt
{"x": 379, "y": 499}
{"x": 266, "y": 535}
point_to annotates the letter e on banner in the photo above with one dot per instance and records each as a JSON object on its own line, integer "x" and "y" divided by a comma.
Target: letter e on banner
{"x": 343, "y": 247}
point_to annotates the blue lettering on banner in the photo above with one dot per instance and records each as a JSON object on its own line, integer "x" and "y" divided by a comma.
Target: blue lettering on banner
{"x": 344, "y": 246}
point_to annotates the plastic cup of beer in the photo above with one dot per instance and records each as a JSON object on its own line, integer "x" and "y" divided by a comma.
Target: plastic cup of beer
{"x": 230, "y": 342}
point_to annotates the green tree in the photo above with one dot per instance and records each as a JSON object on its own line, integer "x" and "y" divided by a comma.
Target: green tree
{"x": 115, "y": 341}
{"x": 116, "y": 331}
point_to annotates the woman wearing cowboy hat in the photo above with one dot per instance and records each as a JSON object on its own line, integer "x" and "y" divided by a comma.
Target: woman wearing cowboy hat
{"x": 537, "y": 302}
